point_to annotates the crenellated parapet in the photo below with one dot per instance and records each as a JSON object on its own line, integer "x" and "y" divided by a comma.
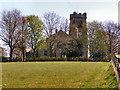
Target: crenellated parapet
{"x": 80, "y": 15}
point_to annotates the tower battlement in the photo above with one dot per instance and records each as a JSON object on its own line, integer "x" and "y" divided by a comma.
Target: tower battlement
{"x": 80, "y": 15}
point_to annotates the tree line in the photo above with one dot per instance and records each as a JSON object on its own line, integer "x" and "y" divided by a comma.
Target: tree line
{"x": 104, "y": 39}
{"x": 20, "y": 32}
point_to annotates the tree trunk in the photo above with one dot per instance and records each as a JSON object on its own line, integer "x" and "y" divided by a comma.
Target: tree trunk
{"x": 22, "y": 55}
{"x": 110, "y": 45}
{"x": 50, "y": 48}
{"x": 34, "y": 53}
{"x": 11, "y": 52}
{"x": 51, "y": 54}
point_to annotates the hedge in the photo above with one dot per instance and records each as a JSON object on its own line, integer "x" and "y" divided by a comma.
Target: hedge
{"x": 35, "y": 59}
{"x": 43, "y": 59}
{"x": 6, "y": 59}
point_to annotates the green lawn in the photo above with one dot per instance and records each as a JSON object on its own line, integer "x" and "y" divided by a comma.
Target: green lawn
{"x": 58, "y": 75}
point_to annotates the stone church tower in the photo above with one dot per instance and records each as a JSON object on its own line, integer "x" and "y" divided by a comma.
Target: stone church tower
{"x": 76, "y": 24}
{"x": 78, "y": 30}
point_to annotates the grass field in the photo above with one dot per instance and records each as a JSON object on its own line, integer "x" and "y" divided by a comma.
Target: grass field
{"x": 58, "y": 75}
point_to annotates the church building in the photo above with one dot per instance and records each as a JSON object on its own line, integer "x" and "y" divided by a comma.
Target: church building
{"x": 77, "y": 29}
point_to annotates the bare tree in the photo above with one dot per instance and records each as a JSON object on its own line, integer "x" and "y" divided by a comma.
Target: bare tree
{"x": 51, "y": 22}
{"x": 9, "y": 25}
{"x": 113, "y": 34}
{"x": 64, "y": 25}
{"x": 22, "y": 35}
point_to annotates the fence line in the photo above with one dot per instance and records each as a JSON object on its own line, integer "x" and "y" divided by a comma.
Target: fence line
{"x": 0, "y": 74}
{"x": 115, "y": 68}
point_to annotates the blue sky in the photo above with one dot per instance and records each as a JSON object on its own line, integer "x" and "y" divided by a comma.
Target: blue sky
{"x": 100, "y": 10}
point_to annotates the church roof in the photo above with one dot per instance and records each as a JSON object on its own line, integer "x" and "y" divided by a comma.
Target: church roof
{"x": 59, "y": 33}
